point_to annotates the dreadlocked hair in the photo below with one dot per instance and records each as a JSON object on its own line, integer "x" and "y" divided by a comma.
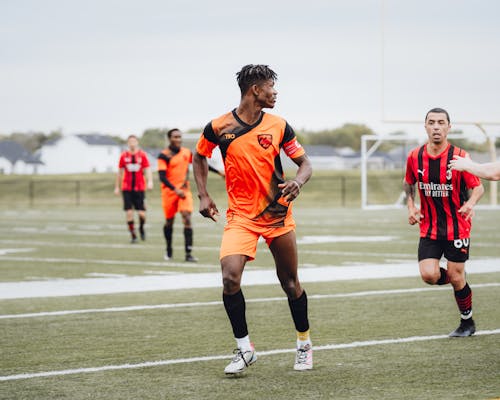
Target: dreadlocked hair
{"x": 254, "y": 74}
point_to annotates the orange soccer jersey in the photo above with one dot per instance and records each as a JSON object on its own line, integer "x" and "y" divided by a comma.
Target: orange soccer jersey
{"x": 251, "y": 155}
{"x": 176, "y": 167}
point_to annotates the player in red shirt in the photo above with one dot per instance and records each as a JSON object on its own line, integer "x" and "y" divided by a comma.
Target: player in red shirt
{"x": 132, "y": 166}
{"x": 447, "y": 199}
{"x": 260, "y": 204}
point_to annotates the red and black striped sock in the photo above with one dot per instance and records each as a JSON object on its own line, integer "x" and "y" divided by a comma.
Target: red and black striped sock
{"x": 464, "y": 301}
{"x": 131, "y": 227}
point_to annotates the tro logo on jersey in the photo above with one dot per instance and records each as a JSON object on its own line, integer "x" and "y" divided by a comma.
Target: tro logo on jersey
{"x": 265, "y": 140}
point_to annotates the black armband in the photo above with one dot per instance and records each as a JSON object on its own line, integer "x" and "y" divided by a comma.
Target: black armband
{"x": 164, "y": 180}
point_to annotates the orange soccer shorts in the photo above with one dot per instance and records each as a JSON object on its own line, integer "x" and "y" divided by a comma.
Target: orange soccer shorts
{"x": 241, "y": 235}
{"x": 172, "y": 204}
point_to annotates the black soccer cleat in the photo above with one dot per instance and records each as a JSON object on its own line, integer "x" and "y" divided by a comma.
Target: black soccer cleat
{"x": 191, "y": 258}
{"x": 466, "y": 328}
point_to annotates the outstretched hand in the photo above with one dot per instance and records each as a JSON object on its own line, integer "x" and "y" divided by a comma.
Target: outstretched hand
{"x": 460, "y": 163}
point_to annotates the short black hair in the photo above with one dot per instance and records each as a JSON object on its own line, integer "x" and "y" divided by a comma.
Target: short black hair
{"x": 169, "y": 133}
{"x": 438, "y": 110}
{"x": 254, "y": 74}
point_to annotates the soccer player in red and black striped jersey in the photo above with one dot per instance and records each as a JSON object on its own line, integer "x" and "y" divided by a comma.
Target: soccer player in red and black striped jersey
{"x": 260, "y": 204}
{"x": 133, "y": 171}
{"x": 447, "y": 199}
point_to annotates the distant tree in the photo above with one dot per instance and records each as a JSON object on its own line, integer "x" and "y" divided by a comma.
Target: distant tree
{"x": 119, "y": 139}
{"x": 32, "y": 141}
{"x": 348, "y": 135}
{"x": 468, "y": 145}
{"x": 194, "y": 130}
{"x": 154, "y": 138}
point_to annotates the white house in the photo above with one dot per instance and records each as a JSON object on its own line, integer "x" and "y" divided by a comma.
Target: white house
{"x": 81, "y": 153}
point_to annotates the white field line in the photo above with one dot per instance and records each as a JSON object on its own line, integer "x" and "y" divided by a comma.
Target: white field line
{"x": 160, "y": 254}
{"x": 184, "y": 280}
{"x": 368, "y": 343}
{"x": 107, "y": 262}
{"x": 218, "y": 303}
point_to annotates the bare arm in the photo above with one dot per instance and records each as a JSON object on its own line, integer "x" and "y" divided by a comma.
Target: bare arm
{"x": 414, "y": 215}
{"x": 149, "y": 177}
{"x": 490, "y": 171}
{"x": 118, "y": 180}
{"x": 290, "y": 189}
{"x": 200, "y": 170}
{"x": 467, "y": 208}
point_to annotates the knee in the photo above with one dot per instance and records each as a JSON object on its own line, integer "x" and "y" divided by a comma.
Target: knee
{"x": 457, "y": 279}
{"x": 231, "y": 283}
{"x": 429, "y": 277}
{"x": 291, "y": 287}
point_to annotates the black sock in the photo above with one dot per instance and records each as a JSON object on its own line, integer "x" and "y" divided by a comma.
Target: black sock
{"x": 188, "y": 240}
{"x": 167, "y": 232}
{"x": 236, "y": 309}
{"x": 444, "y": 278}
{"x": 298, "y": 308}
{"x": 142, "y": 221}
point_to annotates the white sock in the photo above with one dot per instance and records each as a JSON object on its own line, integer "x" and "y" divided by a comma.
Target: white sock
{"x": 302, "y": 343}
{"x": 244, "y": 343}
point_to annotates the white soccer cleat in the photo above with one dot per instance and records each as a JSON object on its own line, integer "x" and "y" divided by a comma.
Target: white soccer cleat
{"x": 304, "y": 358}
{"x": 241, "y": 361}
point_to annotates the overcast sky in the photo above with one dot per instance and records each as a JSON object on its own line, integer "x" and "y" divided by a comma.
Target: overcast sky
{"x": 122, "y": 66}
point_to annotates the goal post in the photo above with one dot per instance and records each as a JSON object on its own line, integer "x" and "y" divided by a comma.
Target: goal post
{"x": 386, "y": 171}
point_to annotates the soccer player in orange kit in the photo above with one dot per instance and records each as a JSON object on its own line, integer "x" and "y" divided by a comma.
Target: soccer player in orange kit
{"x": 260, "y": 204}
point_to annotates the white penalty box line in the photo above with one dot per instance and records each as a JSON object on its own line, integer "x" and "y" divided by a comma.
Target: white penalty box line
{"x": 147, "y": 364}
{"x": 218, "y": 303}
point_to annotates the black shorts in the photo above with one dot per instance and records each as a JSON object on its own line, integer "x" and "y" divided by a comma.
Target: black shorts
{"x": 133, "y": 199}
{"x": 454, "y": 250}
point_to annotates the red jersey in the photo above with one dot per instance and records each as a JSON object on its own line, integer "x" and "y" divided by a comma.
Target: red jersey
{"x": 133, "y": 166}
{"x": 176, "y": 166}
{"x": 442, "y": 192}
{"x": 251, "y": 155}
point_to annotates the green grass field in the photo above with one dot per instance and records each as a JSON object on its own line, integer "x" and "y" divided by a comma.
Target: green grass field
{"x": 374, "y": 338}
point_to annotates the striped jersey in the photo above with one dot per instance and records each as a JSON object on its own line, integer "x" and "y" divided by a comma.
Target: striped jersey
{"x": 251, "y": 155}
{"x": 133, "y": 165}
{"x": 442, "y": 192}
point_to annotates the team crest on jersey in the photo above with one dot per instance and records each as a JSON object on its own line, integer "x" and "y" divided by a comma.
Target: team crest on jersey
{"x": 448, "y": 174}
{"x": 265, "y": 140}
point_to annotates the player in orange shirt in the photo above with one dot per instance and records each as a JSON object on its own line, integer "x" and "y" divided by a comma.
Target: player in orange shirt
{"x": 176, "y": 196}
{"x": 259, "y": 204}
